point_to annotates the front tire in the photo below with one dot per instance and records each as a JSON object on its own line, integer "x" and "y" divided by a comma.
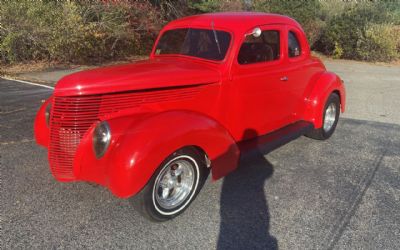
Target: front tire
{"x": 330, "y": 119}
{"x": 173, "y": 186}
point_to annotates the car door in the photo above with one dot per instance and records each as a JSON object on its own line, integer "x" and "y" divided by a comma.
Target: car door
{"x": 258, "y": 84}
{"x": 298, "y": 70}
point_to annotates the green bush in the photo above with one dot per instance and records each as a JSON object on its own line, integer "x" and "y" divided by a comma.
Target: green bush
{"x": 362, "y": 32}
{"x": 68, "y": 31}
{"x": 204, "y": 6}
{"x": 380, "y": 43}
{"x": 307, "y": 13}
{"x": 302, "y": 11}
{"x": 96, "y": 30}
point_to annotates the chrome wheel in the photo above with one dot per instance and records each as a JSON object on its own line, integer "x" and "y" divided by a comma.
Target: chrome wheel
{"x": 175, "y": 183}
{"x": 330, "y": 117}
{"x": 173, "y": 186}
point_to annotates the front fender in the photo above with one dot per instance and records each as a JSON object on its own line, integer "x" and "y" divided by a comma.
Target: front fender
{"x": 41, "y": 130}
{"x": 140, "y": 144}
{"x": 317, "y": 96}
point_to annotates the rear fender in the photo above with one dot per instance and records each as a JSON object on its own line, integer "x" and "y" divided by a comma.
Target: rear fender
{"x": 317, "y": 96}
{"x": 142, "y": 146}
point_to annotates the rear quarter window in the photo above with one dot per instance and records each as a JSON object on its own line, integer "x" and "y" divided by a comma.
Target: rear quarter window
{"x": 293, "y": 45}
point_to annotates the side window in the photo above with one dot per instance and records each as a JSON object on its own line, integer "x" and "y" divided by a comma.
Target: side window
{"x": 294, "y": 45}
{"x": 260, "y": 49}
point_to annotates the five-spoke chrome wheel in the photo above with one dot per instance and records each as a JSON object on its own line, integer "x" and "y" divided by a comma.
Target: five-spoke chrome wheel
{"x": 330, "y": 117}
{"x": 174, "y": 185}
{"x": 175, "y": 182}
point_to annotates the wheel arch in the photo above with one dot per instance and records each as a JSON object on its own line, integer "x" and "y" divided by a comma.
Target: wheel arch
{"x": 341, "y": 99}
{"x": 315, "y": 100}
{"x": 138, "y": 153}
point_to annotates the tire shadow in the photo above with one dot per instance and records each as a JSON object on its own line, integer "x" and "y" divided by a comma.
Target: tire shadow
{"x": 244, "y": 209}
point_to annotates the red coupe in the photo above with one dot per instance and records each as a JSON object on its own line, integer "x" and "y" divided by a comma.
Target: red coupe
{"x": 215, "y": 85}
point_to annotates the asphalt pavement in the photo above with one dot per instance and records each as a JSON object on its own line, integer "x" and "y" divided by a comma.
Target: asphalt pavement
{"x": 343, "y": 193}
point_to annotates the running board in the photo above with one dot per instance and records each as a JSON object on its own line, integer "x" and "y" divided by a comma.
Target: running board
{"x": 269, "y": 142}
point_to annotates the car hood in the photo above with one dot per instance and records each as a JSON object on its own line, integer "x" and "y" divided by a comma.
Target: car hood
{"x": 140, "y": 75}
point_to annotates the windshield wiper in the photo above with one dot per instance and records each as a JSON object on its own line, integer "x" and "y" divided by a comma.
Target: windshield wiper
{"x": 215, "y": 36}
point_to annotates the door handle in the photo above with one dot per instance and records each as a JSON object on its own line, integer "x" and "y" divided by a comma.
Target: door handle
{"x": 284, "y": 78}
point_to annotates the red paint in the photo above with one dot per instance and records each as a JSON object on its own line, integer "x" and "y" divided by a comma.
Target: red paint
{"x": 159, "y": 105}
{"x": 147, "y": 74}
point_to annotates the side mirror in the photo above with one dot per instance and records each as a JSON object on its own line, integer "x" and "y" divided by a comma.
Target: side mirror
{"x": 256, "y": 32}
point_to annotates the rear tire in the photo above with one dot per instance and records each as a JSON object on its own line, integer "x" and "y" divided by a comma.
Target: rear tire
{"x": 173, "y": 186}
{"x": 330, "y": 119}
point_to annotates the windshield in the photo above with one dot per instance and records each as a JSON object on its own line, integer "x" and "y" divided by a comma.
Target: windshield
{"x": 202, "y": 43}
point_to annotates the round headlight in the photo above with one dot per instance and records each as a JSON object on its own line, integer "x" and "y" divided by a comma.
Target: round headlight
{"x": 101, "y": 138}
{"x": 47, "y": 113}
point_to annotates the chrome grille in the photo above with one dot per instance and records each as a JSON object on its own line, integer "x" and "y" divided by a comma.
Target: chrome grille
{"x": 71, "y": 117}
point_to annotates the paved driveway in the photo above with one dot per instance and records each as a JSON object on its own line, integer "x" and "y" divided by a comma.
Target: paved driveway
{"x": 342, "y": 193}
{"x": 373, "y": 90}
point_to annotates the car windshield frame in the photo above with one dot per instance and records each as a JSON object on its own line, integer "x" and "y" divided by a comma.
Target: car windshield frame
{"x": 213, "y": 42}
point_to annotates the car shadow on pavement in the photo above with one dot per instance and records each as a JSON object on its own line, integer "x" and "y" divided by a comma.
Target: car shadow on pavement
{"x": 244, "y": 210}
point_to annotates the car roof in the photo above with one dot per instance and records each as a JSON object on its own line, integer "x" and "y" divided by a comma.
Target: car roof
{"x": 234, "y": 21}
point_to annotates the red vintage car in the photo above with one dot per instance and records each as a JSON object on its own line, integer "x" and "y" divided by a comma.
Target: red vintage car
{"x": 215, "y": 85}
